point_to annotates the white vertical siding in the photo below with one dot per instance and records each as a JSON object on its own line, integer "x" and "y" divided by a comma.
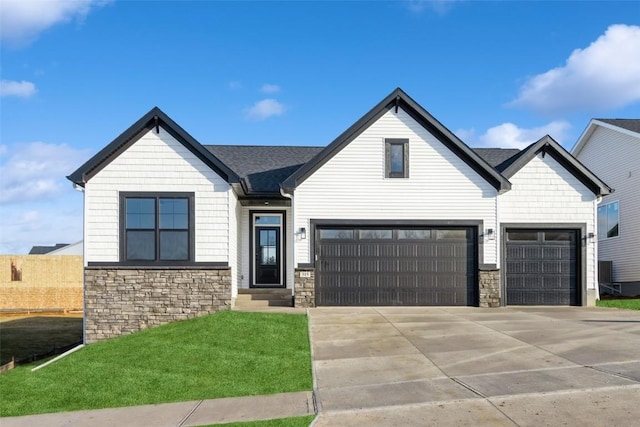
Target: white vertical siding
{"x": 542, "y": 192}
{"x": 615, "y": 158}
{"x": 245, "y": 242}
{"x": 352, "y": 184}
{"x": 154, "y": 163}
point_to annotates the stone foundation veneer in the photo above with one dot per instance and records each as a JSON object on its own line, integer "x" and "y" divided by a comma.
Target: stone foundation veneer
{"x": 489, "y": 287}
{"x": 122, "y": 300}
{"x": 304, "y": 288}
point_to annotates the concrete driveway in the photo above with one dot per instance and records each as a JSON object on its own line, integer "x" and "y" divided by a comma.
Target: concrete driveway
{"x": 472, "y": 366}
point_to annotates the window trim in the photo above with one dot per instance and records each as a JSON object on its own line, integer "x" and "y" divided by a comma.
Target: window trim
{"x": 388, "y": 142}
{"x": 123, "y": 196}
{"x": 603, "y": 236}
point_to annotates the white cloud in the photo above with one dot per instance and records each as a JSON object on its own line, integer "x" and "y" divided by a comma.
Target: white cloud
{"x": 441, "y": 7}
{"x": 603, "y": 76}
{"x": 23, "y": 89}
{"x": 235, "y": 84}
{"x": 21, "y": 21}
{"x": 37, "y": 170}
{"x": 269, "y": 88}
{"x": 41, "y": 223}
{"x": 264, "y": 109}
{"x": 509, "y": 135}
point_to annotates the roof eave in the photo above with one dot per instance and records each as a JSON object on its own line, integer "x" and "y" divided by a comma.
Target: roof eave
{"x": 568, "y": 161}
{"x": 398, "y": 98}
{"x": 153, "y": 119}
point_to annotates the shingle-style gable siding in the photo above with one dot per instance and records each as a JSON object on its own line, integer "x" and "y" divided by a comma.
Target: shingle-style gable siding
{"x": 352, "y": 184}
{"x": 615, "y": 157}
{"x": 157, "y": 163}
{"x": 543, "y": 191}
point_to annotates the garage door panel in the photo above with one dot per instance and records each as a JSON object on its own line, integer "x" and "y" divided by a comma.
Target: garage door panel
{"x": 387, "y": 250}
{"x": 426, "y": 250}
{"x": 541, "y": 267}
{"x": 397, "y": 266}
{"x": 409, "y": 250}
{"x": 388, "y": 265}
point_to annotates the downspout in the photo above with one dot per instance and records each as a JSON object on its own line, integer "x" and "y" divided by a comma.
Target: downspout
{"x": 84, "y": 263}
{"x": 293, "y": 248}
{"x": 594, "y": 256}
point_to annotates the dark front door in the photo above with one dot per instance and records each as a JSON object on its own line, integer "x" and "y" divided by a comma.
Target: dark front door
{"x": 267, "y": 256}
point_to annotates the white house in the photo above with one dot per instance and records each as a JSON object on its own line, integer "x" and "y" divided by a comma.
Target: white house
{"x": 396, "y": 211}
{"x": 611, "y": 149}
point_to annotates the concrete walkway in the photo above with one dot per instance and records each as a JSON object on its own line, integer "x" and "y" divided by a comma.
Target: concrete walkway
{"x": 196, "y": 413}
{"x": 472, "y": 366}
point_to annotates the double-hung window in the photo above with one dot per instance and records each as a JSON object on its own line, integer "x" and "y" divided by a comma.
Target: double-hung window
{"x": 396, "y": 158}
{"x": 608, "y": 220}
{"x": 156, "y": 227}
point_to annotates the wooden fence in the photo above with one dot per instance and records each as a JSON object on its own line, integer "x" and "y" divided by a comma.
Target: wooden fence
{"x": 41, "y": 282}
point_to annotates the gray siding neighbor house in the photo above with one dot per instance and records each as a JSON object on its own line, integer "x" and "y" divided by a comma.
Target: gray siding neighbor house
{"x": 397, "y": 210}
{"x": 611, "y": 149}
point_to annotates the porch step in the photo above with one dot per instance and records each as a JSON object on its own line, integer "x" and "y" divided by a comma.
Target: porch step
{"x": 263, "y": 298}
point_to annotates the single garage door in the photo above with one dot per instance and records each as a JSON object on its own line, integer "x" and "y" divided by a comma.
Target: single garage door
{"x": 382, "y": 266}
{"x": 541, "y": 267}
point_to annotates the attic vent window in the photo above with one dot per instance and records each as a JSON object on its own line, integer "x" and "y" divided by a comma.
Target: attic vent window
{"x": 396, "y": 158}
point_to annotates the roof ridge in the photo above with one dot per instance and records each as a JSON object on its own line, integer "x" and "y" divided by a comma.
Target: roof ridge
{"x": 266, "y": 146}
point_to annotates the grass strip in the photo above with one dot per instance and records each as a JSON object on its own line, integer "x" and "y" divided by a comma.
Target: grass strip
{"x": 303, "y": 421}
{"x": 222, "y": 355}
{"x": 626, "y": 303}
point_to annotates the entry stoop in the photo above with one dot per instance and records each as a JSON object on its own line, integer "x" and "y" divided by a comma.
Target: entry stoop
{"x": 263, "y": 298}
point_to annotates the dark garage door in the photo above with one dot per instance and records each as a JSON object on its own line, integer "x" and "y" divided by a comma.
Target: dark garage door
{"x": 541, "y": 267}
{"x": 382, "y": 266}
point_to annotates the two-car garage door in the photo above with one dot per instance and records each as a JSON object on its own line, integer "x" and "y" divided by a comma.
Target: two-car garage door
{"x": 382, "y": 266}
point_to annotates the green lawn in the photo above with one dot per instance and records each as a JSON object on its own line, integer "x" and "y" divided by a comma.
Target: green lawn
{"x": 281, "y": 422}
{"x": 626, "y": 303}
{"x": 222, "y": 355}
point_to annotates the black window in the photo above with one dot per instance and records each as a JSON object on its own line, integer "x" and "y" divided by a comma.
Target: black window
{"x": 396, "y": 158}
{"x": 157, "y": 228}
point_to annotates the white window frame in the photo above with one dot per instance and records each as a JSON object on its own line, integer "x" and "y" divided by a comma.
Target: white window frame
{"x": 603, "y": 236}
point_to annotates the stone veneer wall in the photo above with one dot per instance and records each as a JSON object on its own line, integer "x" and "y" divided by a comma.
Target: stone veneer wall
{"x": 120, "y": 300}
{"x": 304, "y": 288}
{"x": 490, "y": 287}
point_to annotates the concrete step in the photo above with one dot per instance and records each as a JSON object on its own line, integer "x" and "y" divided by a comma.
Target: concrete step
{"x": 263, "y": 298}
{"x": 263, "y": 303}
{"x": 270, "y": 291}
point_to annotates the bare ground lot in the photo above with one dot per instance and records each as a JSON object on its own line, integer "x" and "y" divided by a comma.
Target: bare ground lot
{"x": 25, "y": 336}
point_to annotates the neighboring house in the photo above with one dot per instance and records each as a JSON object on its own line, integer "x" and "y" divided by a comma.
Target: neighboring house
{"x": 396, "y": 211}
{"x": 72, "y": 249}
{"x": 611, "y": 149}
{"x": 43, "y": 250}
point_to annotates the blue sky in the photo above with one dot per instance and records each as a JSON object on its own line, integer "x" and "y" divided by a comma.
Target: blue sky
{"x": 76, "y": 73}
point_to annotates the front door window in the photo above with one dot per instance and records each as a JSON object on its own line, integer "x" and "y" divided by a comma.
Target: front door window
{"x": 267, "y": 246}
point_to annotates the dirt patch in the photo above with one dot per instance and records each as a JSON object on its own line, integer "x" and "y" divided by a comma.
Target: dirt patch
{"x": 609, "y": 297}
{"x": 25, "y": 337}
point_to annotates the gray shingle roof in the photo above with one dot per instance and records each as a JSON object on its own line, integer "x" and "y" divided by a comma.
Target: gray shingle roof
{"x": 263, "y": 168}
{"x": 630, "y": 124}
{"x": 496, "y": 156}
